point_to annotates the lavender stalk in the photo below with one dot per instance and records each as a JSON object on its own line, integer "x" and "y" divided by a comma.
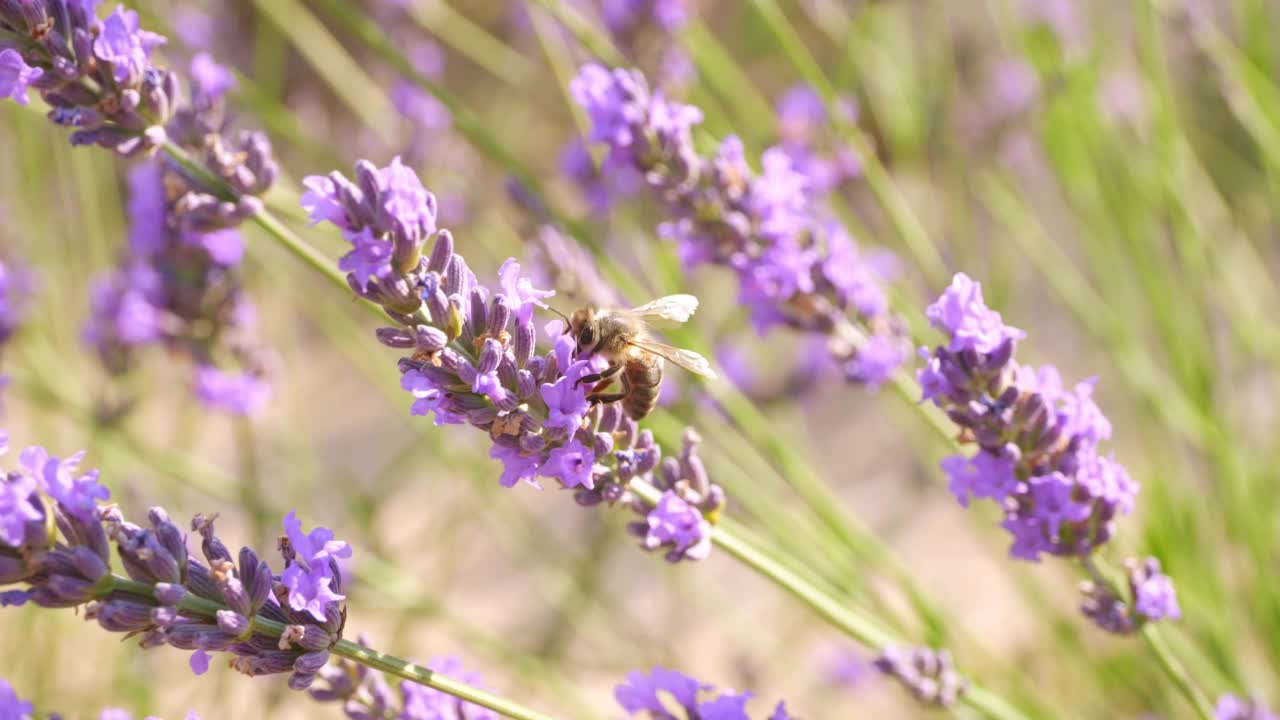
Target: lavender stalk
{"x": 795, "y": 267}
{"x": 55, "y": 542}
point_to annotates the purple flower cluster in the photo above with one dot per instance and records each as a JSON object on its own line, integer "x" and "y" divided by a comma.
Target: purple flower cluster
{"x": 365, "y": 694}
{"x": 96, "y": 74}
{"x": 218, "y": 606}
{"x": 1153, "y": 599}
{"x": 795, "y": 266}
{"x": 802, "y": 130}
{"x": 646, "y": 695}
{"x": 474, "y": 359}
{"x": 928, "y": 674}
{"x": 1036, "y": 441}
{"x": 644, "y": 30}
{"x": 1230, "y": 707}
{"x": 178, "y": 281}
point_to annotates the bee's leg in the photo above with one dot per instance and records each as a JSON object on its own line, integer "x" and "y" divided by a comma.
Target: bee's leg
{"x": 606, "y": 398}
{"x": 607, "y": 374}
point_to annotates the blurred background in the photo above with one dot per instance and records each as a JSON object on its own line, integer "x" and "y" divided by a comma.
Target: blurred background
{"x": 1110, "y": 172}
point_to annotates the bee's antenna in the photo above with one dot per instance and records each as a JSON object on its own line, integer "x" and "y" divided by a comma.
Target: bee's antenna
{"x": 562, "y": 315}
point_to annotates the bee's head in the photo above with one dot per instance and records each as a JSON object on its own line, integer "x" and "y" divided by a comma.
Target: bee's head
{"x": 584, "y": 327}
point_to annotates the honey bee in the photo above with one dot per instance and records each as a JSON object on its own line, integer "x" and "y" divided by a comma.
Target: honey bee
{"x": 635, "y": 359}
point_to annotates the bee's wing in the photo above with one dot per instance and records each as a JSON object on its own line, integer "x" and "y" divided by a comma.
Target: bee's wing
{"x": 687, "y": 359}
{"x": 674, "y": 308}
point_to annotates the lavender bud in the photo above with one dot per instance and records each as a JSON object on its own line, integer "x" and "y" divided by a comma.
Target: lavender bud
{"x": 429, "y": 339}
{"x": 490, "y": 356}
{"x": 395, "y": 337}
{"x": 478, "y": 319}
{"x": 169, "y": 593}
{"x": 525, "y": 338}
{"x": 526, "y": 386}
{"x": 232, "y": 623}
{"x": 499, "y": 316}
{"x": 441, "y": 252}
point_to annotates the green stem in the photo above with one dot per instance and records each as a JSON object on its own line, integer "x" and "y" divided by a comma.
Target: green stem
{"x": 205, "y": 608}
{"x": 850, "y": 622}
{"x": 1174, "y": 668}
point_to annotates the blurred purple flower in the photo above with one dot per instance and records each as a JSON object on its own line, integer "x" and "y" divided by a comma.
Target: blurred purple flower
{"x": 1230, "y": 707}
{"x": 15, "y": 76}
{"x": 643, "y": 694}
{"x": 194, "y": 27}
{"x": 928, "y": 674}
{"x": 424, "y": 703}
{"x": 800, "y": 113}
{"x": 16, "y": 285}
{"x": 209, "y": 79}
{"x": 19, "y": 505}
{"x": 240, "y": 393}
{"x": 11, "y": 706}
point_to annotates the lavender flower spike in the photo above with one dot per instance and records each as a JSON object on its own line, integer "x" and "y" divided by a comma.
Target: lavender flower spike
{"x": 97, "y": 75}
{"x": 928, "y": 674}
{"x": 1153, "y": 599}
{"x": 796, "y": 267}
{"x": 1036, "y": 442}
{"x": 474, "y": 361}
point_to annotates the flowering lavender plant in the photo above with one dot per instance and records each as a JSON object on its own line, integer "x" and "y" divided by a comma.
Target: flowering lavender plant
{"x": 96, "y": 74}
{"x": 474, "y": 362}
{"x": 169, "y": 598}
{"x": 795, "y": 267}
{"x": 177, "y": 282}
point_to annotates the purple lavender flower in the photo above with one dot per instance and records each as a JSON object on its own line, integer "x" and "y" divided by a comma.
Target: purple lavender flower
{"x": 209, "y": 79}
{"x": 369, "y": 259}
{"x": 16, "y": 75}
{"x": 800, "y": 113}
{"x": 674, "y": 522}
{"x": 1230, "y": 707}
{"x": 961, "y": 313}
{"x": 643, "y": 694}
{"x": 178, "y": 280}
{"x": 310, "y": 575}
{"x": 795, "y": 266}
{"x": 929, "y": 675}
{"x": 124, "y": 46}
{"x": 238, "y": 393}
{"x": 77, "y": 496}
{"x": 1153, "y": 599}
{"x": 1037, "y": 445}
{"x": 573, "y": 464}
{"x": 11, "y": 706}
{"x": 19, "y": 508}
{"x": 424, "y": 703}
{"x": 474, "y": 360}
